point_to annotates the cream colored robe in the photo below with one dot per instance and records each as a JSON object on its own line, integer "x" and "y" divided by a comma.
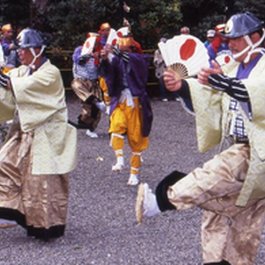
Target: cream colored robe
{"x": 40, "y": 102}
{"x": 212, "y": 117}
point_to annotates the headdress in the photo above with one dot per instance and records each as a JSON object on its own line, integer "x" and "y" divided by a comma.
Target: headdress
{"x": 29, "y": 39}
{"x": 242, "y": 25}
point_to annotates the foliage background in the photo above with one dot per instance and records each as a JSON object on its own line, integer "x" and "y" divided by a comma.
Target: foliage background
{"x": 68, "y": 21}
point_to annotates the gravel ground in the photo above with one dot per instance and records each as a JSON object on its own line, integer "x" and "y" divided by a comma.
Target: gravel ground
{"x": 101, "y": 226}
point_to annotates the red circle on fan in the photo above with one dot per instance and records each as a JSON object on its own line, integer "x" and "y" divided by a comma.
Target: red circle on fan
{"x": 187, "y": 49}
{"x": 227, "y": 59}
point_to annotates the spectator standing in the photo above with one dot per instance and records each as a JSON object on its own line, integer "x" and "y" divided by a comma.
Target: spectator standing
{"x": 209, "y": 37}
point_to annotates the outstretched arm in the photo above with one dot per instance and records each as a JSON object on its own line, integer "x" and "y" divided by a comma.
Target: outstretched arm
{"x": 232, "y": 86}
{"x": 215, "y": 78}
{"x": 173, "y": 83}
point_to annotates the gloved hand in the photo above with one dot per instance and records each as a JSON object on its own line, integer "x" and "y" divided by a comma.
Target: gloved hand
{"x": 4, "y": 80}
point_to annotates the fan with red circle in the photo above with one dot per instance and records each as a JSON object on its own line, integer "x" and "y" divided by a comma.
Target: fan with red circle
{"x": 115, "y": 35}
{"x": 89, "y": 44}
{"x": 112, "y": 37}
{"x": 185, "y": 54}
{"x": 224, "y": 58}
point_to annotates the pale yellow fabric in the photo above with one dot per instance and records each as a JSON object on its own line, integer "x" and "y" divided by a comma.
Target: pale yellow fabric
{"x": 207, "y": 106}
{"x": 40, "y": 102}
{"x": 229, "y": 232}
{"x": 86, "y": 88}
{"x": 41, "y": 199}
{"x": 7, "y": 105}
{"x": 212, "y": 118}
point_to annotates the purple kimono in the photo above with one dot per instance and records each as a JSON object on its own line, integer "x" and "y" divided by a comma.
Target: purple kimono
{"x": 136, "y": 73}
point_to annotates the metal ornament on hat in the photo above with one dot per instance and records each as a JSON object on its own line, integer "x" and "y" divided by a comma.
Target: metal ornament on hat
{"x": 229, "y": 27}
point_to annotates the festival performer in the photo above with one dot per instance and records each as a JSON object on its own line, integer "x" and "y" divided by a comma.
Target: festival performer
{"x": 229, "y": 108}
{"x": 41, "y": 147}
{"x": 86, "y": 86}
{"x": 105, "y": 35}
{"x": 130, "y": 112}
{"x": 104, "y": 31}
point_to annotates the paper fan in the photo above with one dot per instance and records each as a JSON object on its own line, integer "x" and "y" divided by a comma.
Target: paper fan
{"x": 112, "y": 37}
{"x": 180, "y": 70}
{"x": 124, "y": 31}
{"x": 2, "y": 59}
{"x": 224, "y": 58}
{"x": 185, "y": 54}
{"x": 89, "y": 44}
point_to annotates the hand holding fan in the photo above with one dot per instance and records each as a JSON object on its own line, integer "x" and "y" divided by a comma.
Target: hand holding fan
{"x": 185, "y": 55}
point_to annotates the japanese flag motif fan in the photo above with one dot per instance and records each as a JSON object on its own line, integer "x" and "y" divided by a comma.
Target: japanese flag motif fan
{"x": 224, "y": 58}
{"x": 124, "y": 31}
{"x": 112, "y": 37}
{"x": 185, "y": 54}
{"x": 89, "y": 44}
